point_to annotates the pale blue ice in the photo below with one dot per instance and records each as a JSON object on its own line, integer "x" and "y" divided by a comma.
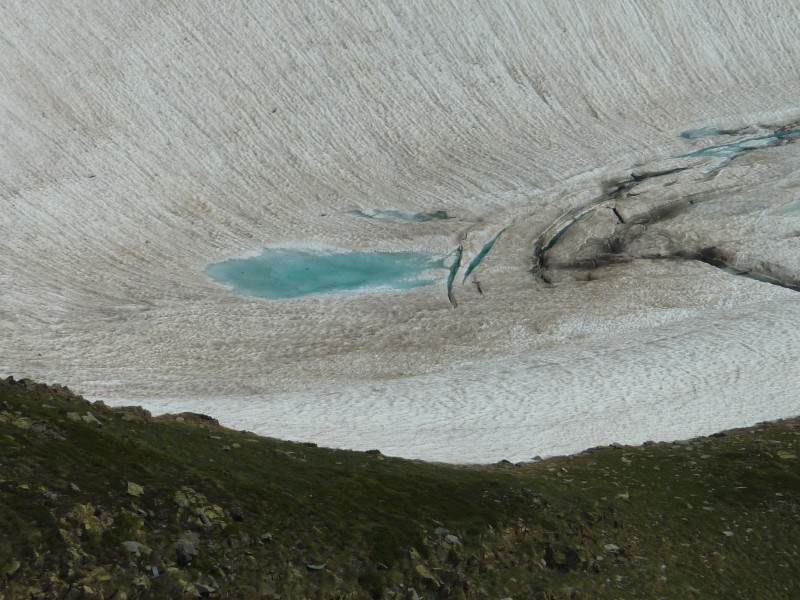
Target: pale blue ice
{"x": 281, "y": 273}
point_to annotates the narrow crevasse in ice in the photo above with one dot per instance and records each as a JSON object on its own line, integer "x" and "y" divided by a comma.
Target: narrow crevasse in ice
{"x": 640, "y": 221}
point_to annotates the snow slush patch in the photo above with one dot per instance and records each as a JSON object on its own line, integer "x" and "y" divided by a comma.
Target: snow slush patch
{"x": 281, "y": 273}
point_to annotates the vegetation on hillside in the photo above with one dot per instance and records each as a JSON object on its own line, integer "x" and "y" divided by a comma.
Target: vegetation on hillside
{"x": 112, "y": 503}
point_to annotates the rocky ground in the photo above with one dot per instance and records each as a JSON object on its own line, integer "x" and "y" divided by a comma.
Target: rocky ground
{"x": 114, "y": 503}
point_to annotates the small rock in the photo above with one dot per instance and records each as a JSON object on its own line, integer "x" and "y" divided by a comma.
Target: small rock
{"x": 135, "y": 413}
{"x": 423, "y": 572}
{"x": 319, "y": 567}
{"x": 136, "y": 548}
{"x": 412, "y": 594}
{"x": 23, "y": 422}
{"x": 441, "y": 531}
{"x": 226, "y": 448}
{"x": 727, "y": 533}
{"x": 184, "y": 589}
{"x": 203, "y": 517}
{"x": 204, "y": 590}
{"x": 265, "y": 537}
{"x": 781, "y": 454}
{"x": 131, "y": 546}
{"x": 185, "y": 550}
{"x": 90, "y": 419}
{"x": 73, "y": 416}
{"x": 134, "y": 489}
{"x": 452, "y": 539}
{"x": 611, "y": 547}
{"x": 72, "y": 593}
{"x": 74, "y": 487}
{"x": 12, "y": 568}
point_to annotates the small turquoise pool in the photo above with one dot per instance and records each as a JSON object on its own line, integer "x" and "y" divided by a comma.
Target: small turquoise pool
{"x": 281, "y": 273}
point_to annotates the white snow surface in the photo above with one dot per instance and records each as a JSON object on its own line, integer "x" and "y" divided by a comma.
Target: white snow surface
{"x": 142, "y": 141}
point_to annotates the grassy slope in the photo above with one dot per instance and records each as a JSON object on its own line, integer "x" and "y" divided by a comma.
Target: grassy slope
{"x": 717, "y": 517}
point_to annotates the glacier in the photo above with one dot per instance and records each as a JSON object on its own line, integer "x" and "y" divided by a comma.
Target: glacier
{"x": 600, "y": 173}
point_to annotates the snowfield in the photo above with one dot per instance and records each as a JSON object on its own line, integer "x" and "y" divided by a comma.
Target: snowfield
{"x": 642, "y": 284}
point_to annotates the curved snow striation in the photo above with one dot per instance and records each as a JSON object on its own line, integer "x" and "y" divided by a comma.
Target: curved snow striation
{"x": 143, "y": 142}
